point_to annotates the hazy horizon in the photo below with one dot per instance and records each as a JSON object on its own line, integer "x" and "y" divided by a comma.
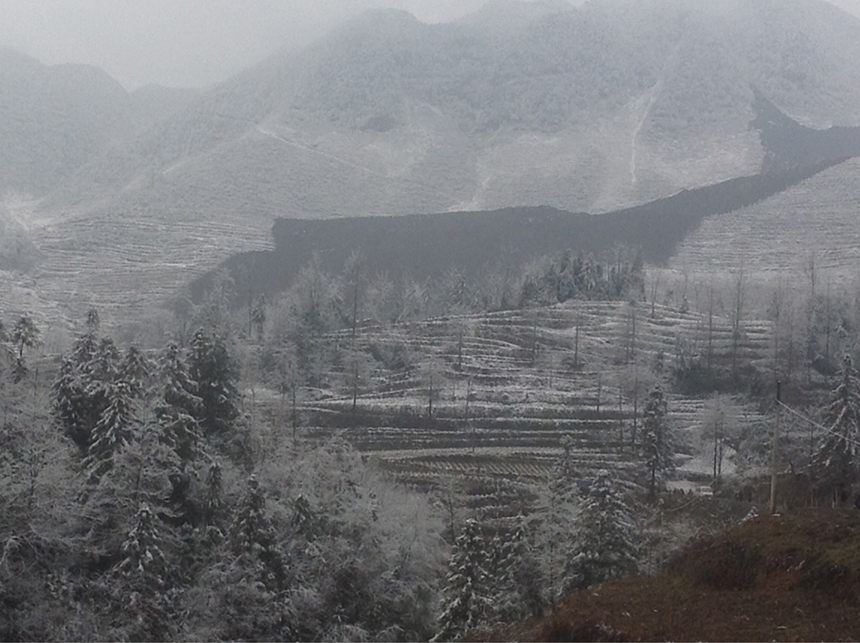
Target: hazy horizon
{"x": 186, "y": 43}
{"x": 194, "y": 43}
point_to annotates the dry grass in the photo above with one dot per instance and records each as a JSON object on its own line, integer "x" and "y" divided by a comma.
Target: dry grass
{"x": 784, "y": 578}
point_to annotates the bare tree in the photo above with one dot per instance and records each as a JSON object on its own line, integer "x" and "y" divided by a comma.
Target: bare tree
{"x": 433, "y": 379}
{"x": 738, "y": 302}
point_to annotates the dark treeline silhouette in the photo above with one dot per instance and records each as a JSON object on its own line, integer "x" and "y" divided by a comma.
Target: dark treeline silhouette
{"x": 427, "y": 245}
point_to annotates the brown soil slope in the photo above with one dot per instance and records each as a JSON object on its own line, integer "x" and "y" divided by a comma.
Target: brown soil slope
{"x": 782, "y": 578}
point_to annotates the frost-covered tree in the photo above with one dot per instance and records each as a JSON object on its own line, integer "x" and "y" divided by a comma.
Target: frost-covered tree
{"x": 106, "y": 362}
{"x": 24, "y": 334}
{"x": 517, "y": 579}
{"x": 466, "y": 601}
{"x": 257, "y": 317}
{"x": 113, "y": 431}
{"x": 135, "y": 369}
{"x": 179, "y": 407}
{"x": 93, "y": 321}
{"x": 559, "y": 508}
{"x": 80, "y": 392}
{"x": 657, "y": 447}
{"x": 70, "y": 404}
{"x": 143, "y": 574}
{"x": 255, "y": 601}
{"x": 607, "y": 545}
{"x": 212, "y": 368}
{"x": 367, "y": 554}
{"x": 835, "y": 461}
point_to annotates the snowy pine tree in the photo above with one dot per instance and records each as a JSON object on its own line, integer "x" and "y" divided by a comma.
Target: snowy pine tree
{"x": 252, "y": 535}
{"x": 68, "y": 399}
{"x": 256, "y": 597}
{"x": 657, "y": 447}
{"x": 80, "y": 392}
{"x": 106, "y": 362}
{"x": 517, "y": 579}
{"x": 835, "y": 461}
{"x": 135, "y": 370}
{"x": 212, "y": 368}
{"x": 179, "y": 406}
{"x": 560, "y": 507}
{"x": 465, "y": 595}
{"x": 606, "y": 543}
{"x": 143, "y": 572}
{"x": 112, "y": 432}
{"x": 84, "y": 351}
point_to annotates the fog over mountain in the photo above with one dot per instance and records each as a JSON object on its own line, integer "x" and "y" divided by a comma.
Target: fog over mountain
{"x": 194, "y": 43}
{"x": 518, "y": 104}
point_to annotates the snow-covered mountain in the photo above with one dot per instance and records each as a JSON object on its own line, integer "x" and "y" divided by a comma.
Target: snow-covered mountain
{"x": 611, "y": 104}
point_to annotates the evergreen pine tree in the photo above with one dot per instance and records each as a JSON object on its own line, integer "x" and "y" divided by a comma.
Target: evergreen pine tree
{"x": 252, "y": 535}
{"x": 112, "y": 432}
{"x": 518, "y": 592}
{"x": 212, "y": 369}
{"x": 106, "y": 363}
{"x": 835, "y": 461}
{"x": 143, "y": 571}
{"x": 465, "y": 595}
{"x": 560, "y": 508}
{"x": 80, "y": 392}
{"x": 180, "y": 406}
{"x": 657, "y": 447}
{"x": 606, "y": 544}
{"x": 257, "y": 600}
{"x": 134, "y": 370}
{"x": 84, "y": 351}
{"x": 69, "y": 404}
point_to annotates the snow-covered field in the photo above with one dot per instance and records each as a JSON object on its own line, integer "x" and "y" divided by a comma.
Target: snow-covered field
{"x": 503, "y": 402}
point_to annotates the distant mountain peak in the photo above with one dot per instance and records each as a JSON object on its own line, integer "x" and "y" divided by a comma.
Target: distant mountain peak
{"x": 386, "y": 18}
{"x": 513, "y": 13}
{"x": 11, "y": 59}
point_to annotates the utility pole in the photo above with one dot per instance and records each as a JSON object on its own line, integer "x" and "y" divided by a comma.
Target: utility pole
{"x": 774, "y": 458}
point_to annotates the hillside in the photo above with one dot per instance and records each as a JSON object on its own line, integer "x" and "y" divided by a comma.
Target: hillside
{"x": 582, "y": 110}
{"x": 508, "y": 386}
{"x": 53, "y": 120}
{"x": 587, "y": 109}
{"x": 56, "y": 119}
{"x": 779, "y": 578}
{"x": 422, "y": 246}
{"x": 815, "y": 218}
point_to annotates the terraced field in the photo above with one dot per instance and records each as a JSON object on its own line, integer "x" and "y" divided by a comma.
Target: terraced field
{"x": 819, "y": 215}
{"x": 507, "y": 388}
{"x": 133, "y": 263}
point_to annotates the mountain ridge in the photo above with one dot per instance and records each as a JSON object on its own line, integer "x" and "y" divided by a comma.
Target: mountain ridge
{"x": 595, "y": 109}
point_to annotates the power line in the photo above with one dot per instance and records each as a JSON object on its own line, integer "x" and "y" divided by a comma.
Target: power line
{"x": 817, "y": 425}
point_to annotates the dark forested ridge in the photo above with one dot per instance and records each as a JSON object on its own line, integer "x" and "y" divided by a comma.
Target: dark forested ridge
{"x": 424, "y": 246}
{"x": 787, "y": 143}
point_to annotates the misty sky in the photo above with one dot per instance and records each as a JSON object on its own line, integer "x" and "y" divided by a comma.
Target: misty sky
{"x": 187, "y": 43}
